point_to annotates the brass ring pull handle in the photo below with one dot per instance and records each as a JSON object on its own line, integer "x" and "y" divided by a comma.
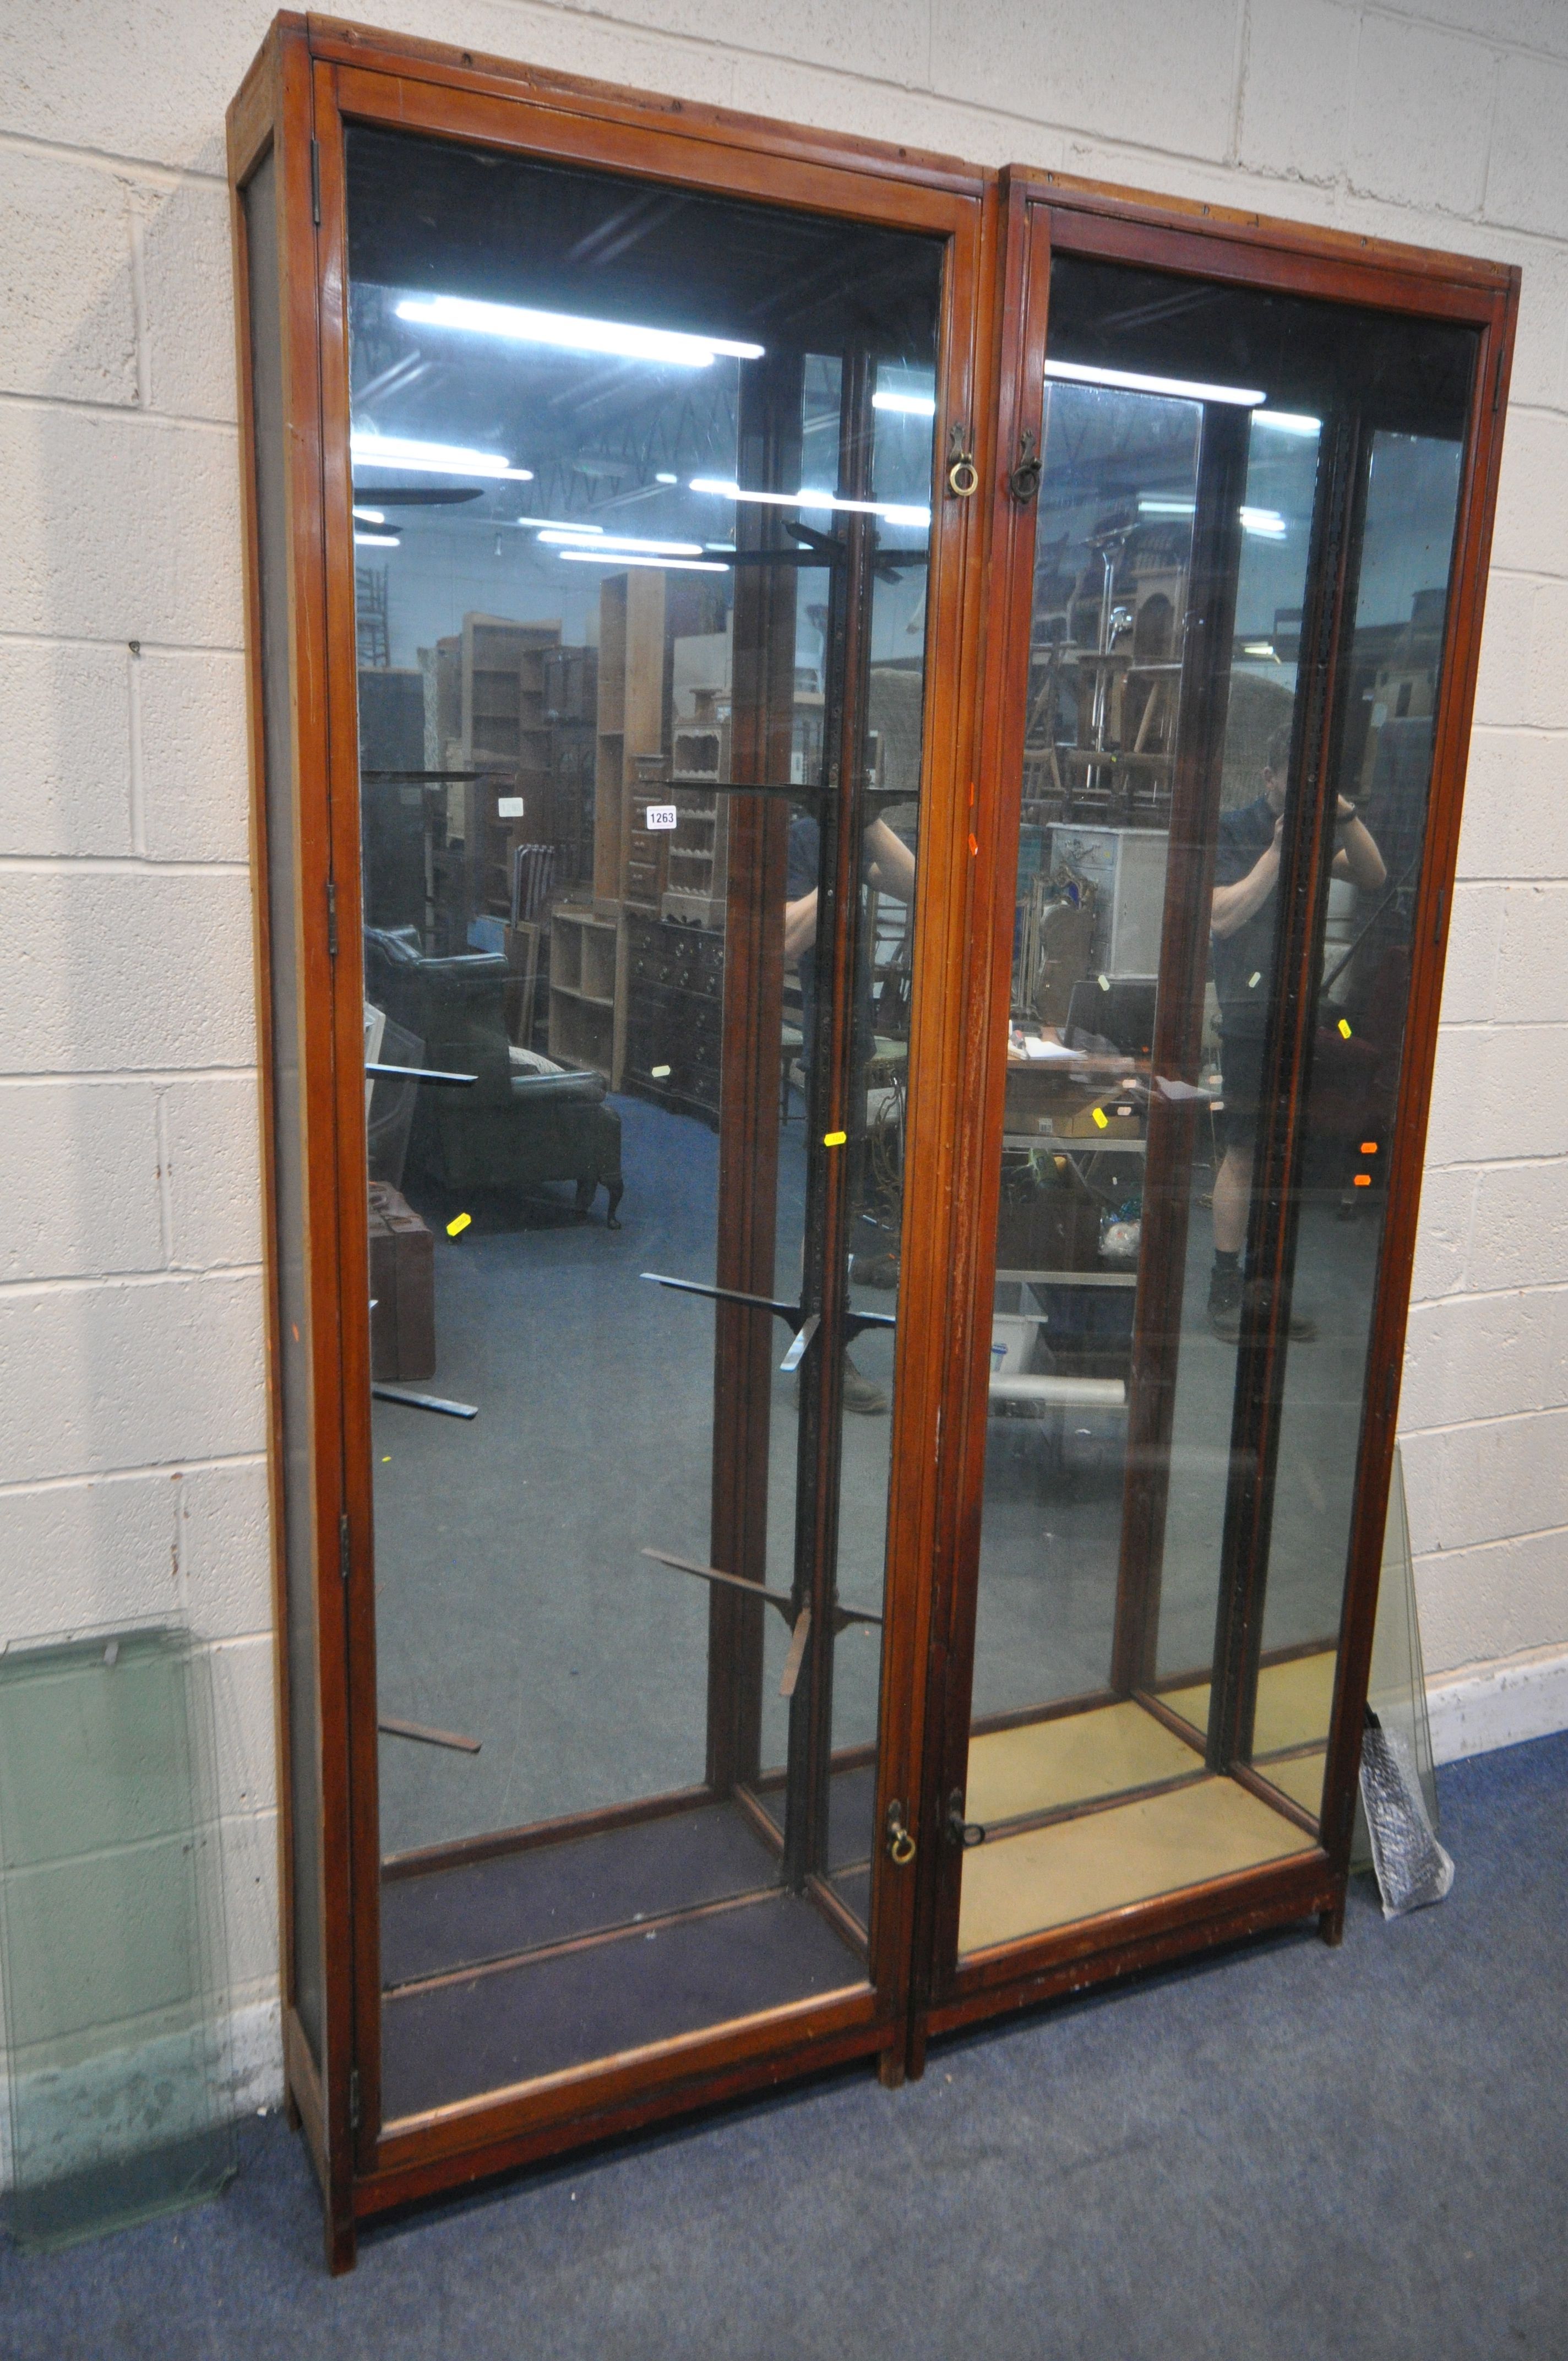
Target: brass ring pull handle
{"x": 900, "y": 1843}
{"x": 963, "y": 475}
{"x": 1024, "y": 480}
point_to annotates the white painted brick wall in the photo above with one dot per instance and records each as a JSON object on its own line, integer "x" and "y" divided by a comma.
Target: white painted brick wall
{"x": 131, "y": 1414}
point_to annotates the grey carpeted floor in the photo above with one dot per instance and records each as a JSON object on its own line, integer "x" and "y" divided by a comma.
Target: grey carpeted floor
{"x": 1286, "y": 2152}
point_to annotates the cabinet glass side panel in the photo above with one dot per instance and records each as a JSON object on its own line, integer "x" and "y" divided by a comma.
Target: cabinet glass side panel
{"x": 1171, "y": 1446}
{"x": 292, "y": 1308}
{"x": 641, "y": 570}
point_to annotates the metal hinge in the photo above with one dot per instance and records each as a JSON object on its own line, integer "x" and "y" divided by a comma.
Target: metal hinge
{"x": 331, "y": 919}
{"x": 354, "y": 2098}
{"x": 343, "y": 1547}
{"x": 316, "y": 183}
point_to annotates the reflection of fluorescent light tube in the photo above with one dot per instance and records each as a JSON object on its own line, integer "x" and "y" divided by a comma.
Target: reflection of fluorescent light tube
{"x": 912, "y": 405}
{"x": 1132, "y": 381}
{"x": 575, "y": 535}
{"x": 1166, "y": 507}
{"x": 664, "y": 477}
{"x": 1259, "y": 648}
{"x": 1265, "y": 524}
{"x": 520, "y": 325}
{"x": 1288, "y": 422}
{"x": 370, "y": 516}
{"x": 630, "y": 557}
{"x": 555, "y": 524}
{"x": 894, "y": 512}
{"x": 375, "y": 541}
{"x": 432, "y": 459}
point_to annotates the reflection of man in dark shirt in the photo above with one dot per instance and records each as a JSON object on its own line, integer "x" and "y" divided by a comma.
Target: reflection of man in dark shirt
{"x": 887, "y": 864}
{"x": 1244, "y": 923}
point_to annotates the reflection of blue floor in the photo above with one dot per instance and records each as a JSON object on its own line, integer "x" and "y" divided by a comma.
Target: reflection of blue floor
{"x": 513, "y": 1603}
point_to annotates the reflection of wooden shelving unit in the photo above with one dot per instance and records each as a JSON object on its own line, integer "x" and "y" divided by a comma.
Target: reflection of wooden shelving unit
{"x": 490, "y": 713}
{"x": 697, "y": 859}
{"x": 628, "y": 864}
{"x": 587, "y": 1016}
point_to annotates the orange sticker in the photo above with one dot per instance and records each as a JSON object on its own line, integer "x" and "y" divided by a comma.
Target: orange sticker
{"x": 1369, "y": 1148}
{"x": 1364, "y": 1180}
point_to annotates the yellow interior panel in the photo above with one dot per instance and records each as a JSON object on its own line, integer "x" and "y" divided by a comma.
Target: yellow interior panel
{"x": 1075, "y": 1868}
{"x": 1299, "y": 1777}
{"x": 1294, "y": 1700}
{"x": 1071, "y": 1760}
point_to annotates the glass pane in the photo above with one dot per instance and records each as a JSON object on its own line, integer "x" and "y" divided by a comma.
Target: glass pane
{"x": 291, "y": 1311}
{"x": 640, "y": 607}
{"x": 1179, "y": 1352}
{"x": 111, "y": 1934}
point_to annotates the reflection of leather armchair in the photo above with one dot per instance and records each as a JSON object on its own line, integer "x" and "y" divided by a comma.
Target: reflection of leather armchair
{"x": 512, "y": 1127}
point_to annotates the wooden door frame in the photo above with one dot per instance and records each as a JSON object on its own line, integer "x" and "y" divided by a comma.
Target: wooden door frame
{"x": 313, "y": 76}
{"x": 1046, "y": 213}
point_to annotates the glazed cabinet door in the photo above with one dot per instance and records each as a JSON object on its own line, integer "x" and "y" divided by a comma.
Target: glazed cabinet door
{"x": 1226, "y": 568}
{"x": 647, "y": 540}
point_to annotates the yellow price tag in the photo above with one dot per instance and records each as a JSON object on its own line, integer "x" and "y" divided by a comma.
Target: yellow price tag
{"x": 1100, "y": 1119}
{"x": 456, "y": 1227}
{"x": 834, "y": 1138}
{"x": 1344, "y": 1027}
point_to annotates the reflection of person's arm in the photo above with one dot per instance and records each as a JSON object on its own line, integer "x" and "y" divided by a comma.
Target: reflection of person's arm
{"x": 891, "y": 864}
{"x": 1234, "y": 905}
{"x": 1358, "y": 857}
{"x": 800, "y": 926}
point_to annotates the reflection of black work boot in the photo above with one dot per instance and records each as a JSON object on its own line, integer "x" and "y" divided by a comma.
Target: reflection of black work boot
{"x": 1225, "y": 1311}
{"x": 874, "y": 1270}
{"x": 862, "y": 1393}
{"x": 1225, "y": 1302}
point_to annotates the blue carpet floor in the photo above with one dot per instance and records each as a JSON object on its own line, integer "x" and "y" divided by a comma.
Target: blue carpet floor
{"x": 1285, "y": 2152}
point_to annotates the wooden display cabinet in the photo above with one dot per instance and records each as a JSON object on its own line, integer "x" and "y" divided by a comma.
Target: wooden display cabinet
{"x": 655, "y": 1722}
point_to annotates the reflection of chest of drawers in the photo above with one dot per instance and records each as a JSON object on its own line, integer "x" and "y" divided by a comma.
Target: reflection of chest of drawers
{"x": 675, "y": 1013}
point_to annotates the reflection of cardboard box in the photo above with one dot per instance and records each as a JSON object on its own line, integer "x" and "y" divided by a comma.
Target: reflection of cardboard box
{"x": 403, "y": 1288}
{"x": 1059, "y": 1103}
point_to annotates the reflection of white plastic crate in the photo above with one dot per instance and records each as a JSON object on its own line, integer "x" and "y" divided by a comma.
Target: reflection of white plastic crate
{"x": 1127, "y": 868}
{"x": 1013, "y": 1338}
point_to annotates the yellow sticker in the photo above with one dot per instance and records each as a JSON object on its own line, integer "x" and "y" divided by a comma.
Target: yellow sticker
{"x": 456, "y": 1227}
{"x": 1255, "y": 979}
{"x": 1344, "y": 1027}
{"x": 658, "y": 1072}
{"x": 386, "y": 1458}
{"x": 834, "y": 1138}
{"x": 1101, "y": 1120}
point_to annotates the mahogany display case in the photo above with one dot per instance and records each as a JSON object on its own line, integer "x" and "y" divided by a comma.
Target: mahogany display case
{"x": 869, "y": 1553}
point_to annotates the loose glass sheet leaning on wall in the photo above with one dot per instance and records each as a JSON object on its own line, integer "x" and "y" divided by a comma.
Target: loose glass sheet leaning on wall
{"x": 643, "y": 488}
{"x": 112, "y": 1950}
{"x": 1192, "y": 1183}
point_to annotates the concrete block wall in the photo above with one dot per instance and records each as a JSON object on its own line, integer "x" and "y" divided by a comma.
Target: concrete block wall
{"x": 131, "y": 1410}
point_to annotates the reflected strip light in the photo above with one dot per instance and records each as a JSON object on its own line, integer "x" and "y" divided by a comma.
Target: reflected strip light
{"x": 521, "y": 325}
{"x": 596, "y": 536}
{"x": 1132, "y": 381}
{"x": 631, "y": 557}
{"x": 430, "y": 458}
{"x": 894, "y": 512}
{"x": 1288, "y": 422}
{"x": 1263, "y": 524}
{"x": 370, "y": 516}
{"x": 911, "y": 405}
{"x": 375, "y": 541}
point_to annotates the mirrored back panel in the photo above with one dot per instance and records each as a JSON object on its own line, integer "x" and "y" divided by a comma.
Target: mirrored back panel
{"x": 1244, "y": 537}
{"x": 642, "y": 494}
